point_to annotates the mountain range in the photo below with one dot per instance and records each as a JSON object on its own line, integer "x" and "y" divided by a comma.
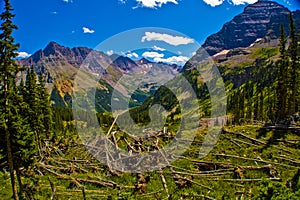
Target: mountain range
{"x": 238, "y": 40}
{"x": 259, "y": 20}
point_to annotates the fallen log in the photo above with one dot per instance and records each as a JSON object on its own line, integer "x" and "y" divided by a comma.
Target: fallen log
{"x": 243, "y": 135}
{"x": 289, "y": 160}
{"x": 247, "y": 180}
{"x": 163, "y": 180}
{"x": 232, "y": 140}
{"x": 256, "y": 160}
{"x": 255, "y": 140}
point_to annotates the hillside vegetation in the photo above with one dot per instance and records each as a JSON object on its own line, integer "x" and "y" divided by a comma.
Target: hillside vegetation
{"x": 256, "y": 155}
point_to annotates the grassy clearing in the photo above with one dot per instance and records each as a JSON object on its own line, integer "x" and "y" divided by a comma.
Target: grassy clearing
{"x": 237, "y": 167}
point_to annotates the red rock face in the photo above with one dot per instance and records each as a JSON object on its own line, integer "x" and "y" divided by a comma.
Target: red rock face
{"x": 74, "y": 56}
{"x": 257, "y": 21}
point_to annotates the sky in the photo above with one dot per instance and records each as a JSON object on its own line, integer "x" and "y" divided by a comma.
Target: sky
{"x": 165, "y": 30}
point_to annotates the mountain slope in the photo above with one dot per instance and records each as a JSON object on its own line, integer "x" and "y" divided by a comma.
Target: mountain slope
{"x": 256, "y": 21}
{"x": 60, "y": 65}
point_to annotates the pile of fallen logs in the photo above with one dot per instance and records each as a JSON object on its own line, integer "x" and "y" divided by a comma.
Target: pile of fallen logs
{"x": 109, "y": 148}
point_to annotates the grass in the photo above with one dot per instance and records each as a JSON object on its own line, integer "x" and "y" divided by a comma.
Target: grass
{"x": 280, "y": 154}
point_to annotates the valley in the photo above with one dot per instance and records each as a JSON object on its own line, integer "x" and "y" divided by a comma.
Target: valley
{"x": 83, "y": 124}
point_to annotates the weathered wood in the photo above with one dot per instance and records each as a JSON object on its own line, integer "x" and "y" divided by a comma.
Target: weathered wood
{"x": 245, "y": 136}
{"x": 164, "y": 182}
{"x": 289, "y": 160}
{"x": 252, "y": 159}
{"x": 255, "y": 140}
{"x": 247, "y": 180}
{"x": 83, "y": 193}
{"x": 112, "y": 125}
{"x": 201, "y": 185}
{"x": 53, "y": 189}
{"x": 202, "y": 174}
{"x": 202, "y": 196}
{"x": 232, "y": 140}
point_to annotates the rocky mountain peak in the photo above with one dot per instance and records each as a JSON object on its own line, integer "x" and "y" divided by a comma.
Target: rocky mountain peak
{"x": 74, "y": 56}
{"x": 245, "y": 28}
{"x": 143, "y": 61}
{"x": 125, "y": 63}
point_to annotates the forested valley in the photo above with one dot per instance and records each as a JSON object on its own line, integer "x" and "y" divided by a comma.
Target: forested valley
{"x": 257, "y": 155}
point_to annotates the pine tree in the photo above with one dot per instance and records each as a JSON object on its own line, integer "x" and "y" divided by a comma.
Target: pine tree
{"x": 255, "y": 102}
{"x": 23, "y": 143}
{"x": 9, "y": 70}
{"x": 282, "y": 77}
{"x": 44, "y": 109}
{"x": 18, "y": 146}
{"x": 293, "y": 68}
{"x": 31, "y": 99}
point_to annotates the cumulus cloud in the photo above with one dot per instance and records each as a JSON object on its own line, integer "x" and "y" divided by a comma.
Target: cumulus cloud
{"x": 131, "y": 55}
{"x": 178, "y": 60}
{"x": 213, "y": 3}
{"x": 68, "y": 1}
{"x": 87, "y": 30}
{"x": 154, "y": 3}
{"x": 122, "y": 1}
{"x": 288, "y": 2}
{"x": 110, "y": 52}
{"x": 156, "y": 48}
{"x": 170, "y": 39}
{"x": 152, "y": 54}
{"x": 241, "y": 2}
{"x": 23, "y": 55}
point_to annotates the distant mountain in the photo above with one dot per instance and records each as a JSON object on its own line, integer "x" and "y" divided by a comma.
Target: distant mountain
{"x": 244, "y": 51}
{"x": 126, "y": 64}
{"x": 143, "y": 61}
{"x": 60, "y": 65}
{"x": 59, "y": 61}
{"x": 258, "y": 20}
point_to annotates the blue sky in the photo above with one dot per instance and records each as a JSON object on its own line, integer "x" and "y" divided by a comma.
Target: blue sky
{"x": 89, "y": 22}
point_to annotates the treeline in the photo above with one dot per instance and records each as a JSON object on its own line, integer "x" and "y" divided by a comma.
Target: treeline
{"x": 273, "y": 93}
{"x": 269, "y": 91}
{"x": 25, "y": 112}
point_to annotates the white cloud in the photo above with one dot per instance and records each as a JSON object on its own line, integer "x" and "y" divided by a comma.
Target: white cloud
{"x": 156, "y": 48}
{"x": 159, "y": 57}
{"x": 87, "y": 30}
{"x": 23, "y": 55}
{"x": 288, "y": 2}
{"x": 133, "y": 54}
{"x": 152, "y": 54}
{"x": 154, "y": 3}
{"x": 110, "y": 52}
{"x": 178, "y": 60}
{"x": 122, "y": 1}
{"x": 170, "y": 39}
{"x": 68, "y": 1}
{"x": 213, "y": 3}
{"x": 54, "y": 13}
{"x": 241, "y": 2}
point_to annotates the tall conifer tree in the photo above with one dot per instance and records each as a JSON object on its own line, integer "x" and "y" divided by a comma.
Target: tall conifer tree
{"x": 293, "y": 48}
{"x": 8, "y": 69}
{"x": 17, "y": 146}
{"x": 282, "y": 77}
{"x": 44, "y": 108}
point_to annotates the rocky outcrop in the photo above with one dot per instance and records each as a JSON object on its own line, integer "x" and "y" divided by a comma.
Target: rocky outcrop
{"x": 257, "y": 21}
{"x": 74, "y": 56}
